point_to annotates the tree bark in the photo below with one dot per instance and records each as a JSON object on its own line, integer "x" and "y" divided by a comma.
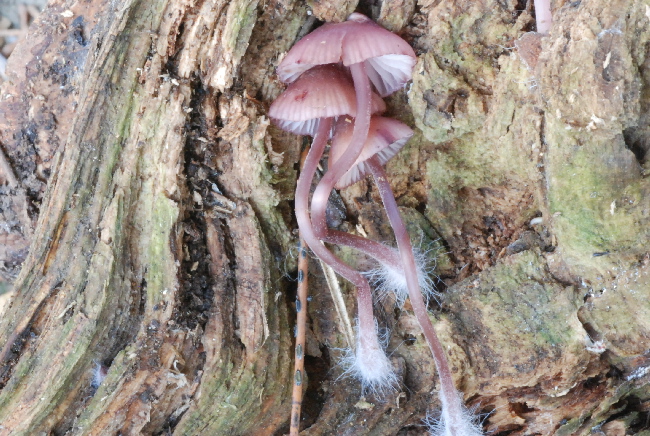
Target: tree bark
{"x": 139, "y": 167}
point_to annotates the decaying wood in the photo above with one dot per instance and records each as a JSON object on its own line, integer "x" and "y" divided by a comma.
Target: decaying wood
{"x": 139, "y": 166}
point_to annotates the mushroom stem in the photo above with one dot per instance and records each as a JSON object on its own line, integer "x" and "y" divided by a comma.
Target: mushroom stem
{"x": 346, "y": 161}
{"x": 380, "y": 252}
{"x": 543, "y": 16}
{"x": 448, "y": 393}
{"x": 368, "y": 340}
{"x": 301, "y": 326}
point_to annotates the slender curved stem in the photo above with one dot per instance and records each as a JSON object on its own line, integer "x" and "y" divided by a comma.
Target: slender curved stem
{"x": 448, "y": 392}
{"x": 368, "y": 335}
{"x": 359, "y": 136}
{"x": 380, "y": 252}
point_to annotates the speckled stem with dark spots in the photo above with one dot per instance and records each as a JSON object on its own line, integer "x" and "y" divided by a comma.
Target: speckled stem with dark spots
{"x": 301, "y": 327}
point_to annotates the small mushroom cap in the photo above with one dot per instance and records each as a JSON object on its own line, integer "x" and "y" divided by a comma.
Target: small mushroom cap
{"x": 386, "y": 137}
{"x": 323, "y": 92}
{"x": 389, "y": 59}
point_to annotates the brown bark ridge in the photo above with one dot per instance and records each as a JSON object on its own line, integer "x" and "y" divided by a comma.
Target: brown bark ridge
{"x": 138, "y": 165}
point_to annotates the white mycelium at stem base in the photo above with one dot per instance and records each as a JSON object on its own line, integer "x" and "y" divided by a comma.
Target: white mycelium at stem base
{"x": 370, "y": 365}
{"x": 467, "y": 425}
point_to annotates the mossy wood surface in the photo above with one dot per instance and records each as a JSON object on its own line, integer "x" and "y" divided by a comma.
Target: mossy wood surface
{"x": 139, "y": 167}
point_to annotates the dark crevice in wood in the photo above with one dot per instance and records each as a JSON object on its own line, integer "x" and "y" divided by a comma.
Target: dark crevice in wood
{"x": 196, "y": 283}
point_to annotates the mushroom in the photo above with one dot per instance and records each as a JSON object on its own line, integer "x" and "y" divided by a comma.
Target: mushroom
{"x": 308, "y": 106}
{"x": 388, "y": 57}
{"x": 324, "y": 91}
{"x": 385, "y": 138}
{"x": 373, "y": 54}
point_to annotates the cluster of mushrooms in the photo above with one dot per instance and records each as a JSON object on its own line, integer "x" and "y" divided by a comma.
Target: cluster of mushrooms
{"x": 331, "y": 74}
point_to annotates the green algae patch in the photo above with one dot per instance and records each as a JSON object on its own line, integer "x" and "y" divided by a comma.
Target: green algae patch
{"x": 489, "y": 170}
{"x": 242, "y": 20}
{"x": 229, "y": 397}
{"x": 444, "y": 107}
{"x": 570, "y": 427}
{"x": 233, "y": 391}
{"x": 597, "y": 202}
{"x": 71, "y": 345}
{"x": 592, "y": 86}
{"x": 161, "y": 267}
{"x": 520, "y": 326}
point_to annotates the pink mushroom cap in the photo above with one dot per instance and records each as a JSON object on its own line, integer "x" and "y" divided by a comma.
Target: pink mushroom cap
{"x": 389, "y": 59}
{"x": 325, "y": 91}
{"x": 386, "y": 137}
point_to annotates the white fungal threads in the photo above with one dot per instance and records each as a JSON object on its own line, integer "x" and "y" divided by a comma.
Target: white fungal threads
{"x": 469, "y": 424}
{"x": 99, "y": 374}
{"x": 370, "y": 365}
{"x": 389, "y": 280}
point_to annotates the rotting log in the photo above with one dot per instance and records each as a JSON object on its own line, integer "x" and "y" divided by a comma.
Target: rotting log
{"x": 140, "y": 168}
